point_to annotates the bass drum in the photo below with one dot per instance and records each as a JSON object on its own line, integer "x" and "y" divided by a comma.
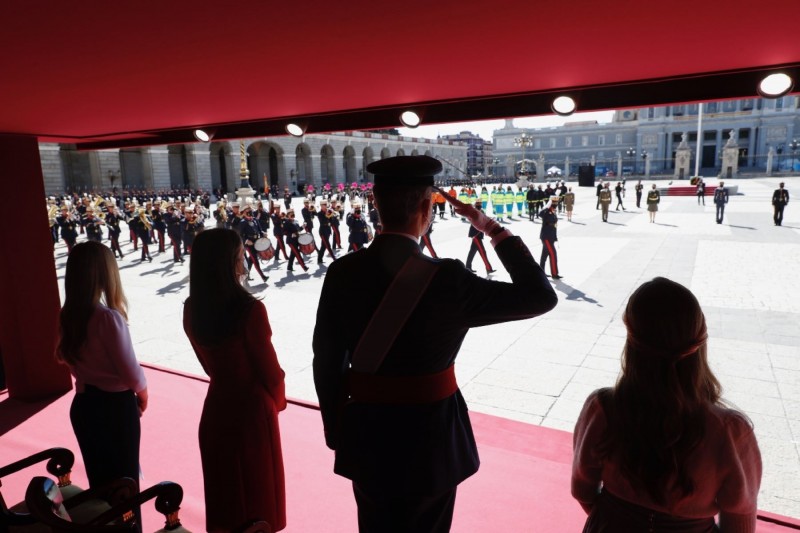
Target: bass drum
{"x": 305, "y": 242}
{"x": 264, "y": 248}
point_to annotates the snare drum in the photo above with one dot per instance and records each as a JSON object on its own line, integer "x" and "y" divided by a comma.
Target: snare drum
{"x": 305, "y": 242}
{"x": 264, "y": 248}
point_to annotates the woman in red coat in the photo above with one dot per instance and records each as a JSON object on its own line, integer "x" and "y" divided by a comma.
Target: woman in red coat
{"x": 240, "y": 443}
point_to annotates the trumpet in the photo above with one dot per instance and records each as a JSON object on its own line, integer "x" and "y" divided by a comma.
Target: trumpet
{"x": 145, "y": 220}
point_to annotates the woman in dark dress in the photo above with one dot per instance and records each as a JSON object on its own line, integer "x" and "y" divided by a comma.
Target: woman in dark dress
{"x": 240, "y": 444}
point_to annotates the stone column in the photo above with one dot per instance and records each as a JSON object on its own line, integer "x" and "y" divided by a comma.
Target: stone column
{"x": 199, "y": 163}
{"x": 647, "y": 166}
{"x": 107, "y": 162}
{"x": 156, "y": 167}
{"x": 52, "y": 168}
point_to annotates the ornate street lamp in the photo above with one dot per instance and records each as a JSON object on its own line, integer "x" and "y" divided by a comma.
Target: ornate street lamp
{"x": 794, "y": 146}
{"x": 523, "y": 141}
{"x": 631, "y": 153}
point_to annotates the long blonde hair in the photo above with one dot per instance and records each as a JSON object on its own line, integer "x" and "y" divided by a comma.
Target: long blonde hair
{"x": 91, "y": 278}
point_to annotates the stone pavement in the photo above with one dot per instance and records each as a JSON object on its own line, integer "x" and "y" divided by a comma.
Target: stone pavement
{"x": 541, "y": 370}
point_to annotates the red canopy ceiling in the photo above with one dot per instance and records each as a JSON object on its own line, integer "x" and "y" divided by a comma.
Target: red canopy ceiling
{"x": 146, "y": 71}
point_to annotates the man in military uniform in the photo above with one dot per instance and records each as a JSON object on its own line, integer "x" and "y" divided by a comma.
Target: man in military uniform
{"x": 398, "y": 423}
{"x": 720, "y": 199}
{"x": 113, "y": 219}
{"x": 549, "y": 236}
{"x": 94, "y": 231}
{"x": 619, "y": 189}
{"x": 250, "y": 232}
{"x": 174, "y": 221}
{"x": 277, "y": 232}
{"x": 358, "y": 230}
{"x": 68, "y": 224}
{"x": 779, "y": 200}
{"x": 639, "y": 188}
{"x": 599, "y": 190}
{"x": 291, "y": 230}
{"x": 530, "y": 197}
{"x": 324, "y": 217}
{"x": 604, "y": 198}
{"x": 476, "y": 245}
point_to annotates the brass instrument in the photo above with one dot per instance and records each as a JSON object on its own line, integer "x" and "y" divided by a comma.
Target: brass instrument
{"x": 145, "y": 220}
{"x": 52, "y": 213}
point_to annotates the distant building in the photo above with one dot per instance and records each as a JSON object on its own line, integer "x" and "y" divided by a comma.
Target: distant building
{"x": 643, "y": 141}
{"x": 479, "y": 153}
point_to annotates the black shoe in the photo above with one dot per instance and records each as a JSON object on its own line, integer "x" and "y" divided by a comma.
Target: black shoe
{"x": 320, "y": 262}
{"x": 249, "y": 278}
{"x": 305, "y": 269}
{"x": 149, "y": 258}
{"x": 264, "y": 278}
{"x": 182, "y": 261}
{"x": 290, "y": 269}
{"x": 470, "y": 269}
{"x": 557, "y": 277}
{"x": 492, "y": 271}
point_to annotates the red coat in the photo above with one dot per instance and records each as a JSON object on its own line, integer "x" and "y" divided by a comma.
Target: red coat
{"x": 240, "y": 443}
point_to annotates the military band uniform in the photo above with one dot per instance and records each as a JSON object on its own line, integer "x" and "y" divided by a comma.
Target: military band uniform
{"x": 93, "y": 230}
{"x": 720, "y": 199}
{"x": 160, "y": 228}
{"x": 143, "y": 226}
{"x": 174, "y": 222}
{"x": 277, "y": 232}
{"x": 68, "y": 226}
{"x": 476, "y": 246}
{"x": 548, "y": 235}
{"x": 324, "y": 217}
{"x": 779, "y": 200}
{"x": 251, "y": 232}
{"x": 604, "y": 198}
{"x": 358, "y": 232}
{"x": 291, "y": 230}
{"x": 114, "y": 231}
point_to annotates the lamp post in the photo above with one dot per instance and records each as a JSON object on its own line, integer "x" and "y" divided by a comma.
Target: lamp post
{"x": 794, "y": 147}
{"x": 780, "y": 151}
{"x": 644, "y": 162}
{"x": 523, "y": 141}
{"x": 631, "y": 153}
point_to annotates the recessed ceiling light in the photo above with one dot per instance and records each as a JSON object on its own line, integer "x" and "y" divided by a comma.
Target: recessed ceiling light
{"x": 564, "y": 106}
{"x": 410, "y": 119}
{"x": 203, "y": 135}
{"x": 295, "y": 130}
{"x": 775, "y": 85}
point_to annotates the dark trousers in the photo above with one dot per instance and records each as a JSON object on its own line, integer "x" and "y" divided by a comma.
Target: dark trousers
{"x": 638, "y": 199}
{"x": 176, "y": 248}
{"x": 778, "y": 216}
{"x": 251, "y": 258}
{"x": 549, "y": 250}
{"x": 619, "y": 202}
{"x": 106, "y": 425}
{"x": 380, "y": 513}
{"x": 425, "y": 242}
{"x": 477, "y": 246}
{"x": 701, "y": 197}
{"x": 281, "y": 247}
{"x": 295, "y": 254}
{"x": 720, "y": 212}
{"x": 161, "y": 247}
{"x": 115, "y": 245}
{"x": 325, "y": 238}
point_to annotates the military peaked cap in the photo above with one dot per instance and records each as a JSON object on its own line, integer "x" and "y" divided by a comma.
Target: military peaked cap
{"x": 405, "y": 170}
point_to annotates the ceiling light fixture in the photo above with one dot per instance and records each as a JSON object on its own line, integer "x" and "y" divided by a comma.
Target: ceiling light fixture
{"x": 204, "y": 135}
{"x": 775, "y": 85}
{"x": 563, "y": 106}
{"x": 295, "y": 130}
{"x": 409, "y": 119}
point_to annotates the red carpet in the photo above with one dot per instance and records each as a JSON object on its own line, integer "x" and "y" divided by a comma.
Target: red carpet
{"x": 523, "y": 483}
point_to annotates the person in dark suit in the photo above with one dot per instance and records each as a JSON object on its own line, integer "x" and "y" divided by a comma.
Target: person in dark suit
{"x": 549, "y": 236}
{"x": 779, "y": 200}
{"x": 720, "y": 199}
{"x": 599, "y": 190}
{"x": 701, "y": 191}
{"x": 639, "y": 188}
{"x": 401, "y": 433}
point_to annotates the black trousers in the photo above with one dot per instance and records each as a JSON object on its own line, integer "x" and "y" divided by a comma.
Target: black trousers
{"x": 380, "y": 513}
{"x": 477, "y": 246}
{"x": 638, "y": 199}
{"x": 612, "y": 514}
{"x": 106, "y": 425}
{"x": 778, "y": 216}
{"x": 720, "y": 212}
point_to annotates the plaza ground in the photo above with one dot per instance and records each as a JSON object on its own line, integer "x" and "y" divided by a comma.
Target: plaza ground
{"x": 540, "y": 370}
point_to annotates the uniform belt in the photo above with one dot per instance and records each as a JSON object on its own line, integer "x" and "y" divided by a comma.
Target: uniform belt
{"x": 402, "y": 390}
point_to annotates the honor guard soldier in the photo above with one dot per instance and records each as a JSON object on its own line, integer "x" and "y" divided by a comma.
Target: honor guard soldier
{"x": 358, "y": 237}
{"x": 569, "y": 202}
{"x": 291, "y": 229}
{"x": 143, "y": 228}
{"x": 605, "y": 200}
{"x": 383, "y": 365}
{"x": 476, "y": 245}
{"x": 324, "y": 217}
{"x": 720, "y": 199}
{"x": 250, "y": 232}
{"x": 548, "y": 234}
{"x": 174, "y": 221}
{"x": 780, "y": 198}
